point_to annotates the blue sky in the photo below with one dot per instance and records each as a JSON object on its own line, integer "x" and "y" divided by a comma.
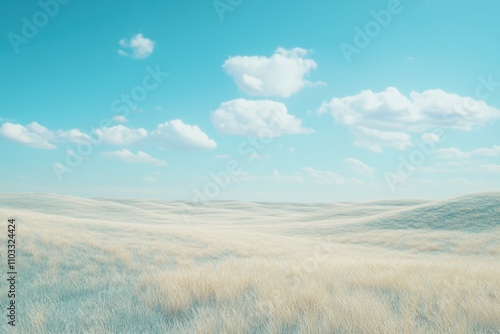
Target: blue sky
{"x": 250, "y": 100}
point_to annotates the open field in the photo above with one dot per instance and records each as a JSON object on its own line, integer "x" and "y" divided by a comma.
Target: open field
{"x": 148, "y": 266}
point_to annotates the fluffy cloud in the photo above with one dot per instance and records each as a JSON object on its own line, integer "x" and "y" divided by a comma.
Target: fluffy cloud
{"x": 139, "y": 158}
{"x": 383, "y": 118}
{"x": 33, "y": 135}
{"x": 173, "y": 134}
{"x": 359, "y": 167}
{"x": 138, "y": 47}
{"x": 177, "y": 135}
{"x": 392, "y": 111}
{"x": 263, "y": 118}
{"x": 325, "y": 176}
{"x": 38, "y": 136}
{"x": 282, "y": 74}
{"x": 375, "y": 140}
{"x": 120, "y": 135}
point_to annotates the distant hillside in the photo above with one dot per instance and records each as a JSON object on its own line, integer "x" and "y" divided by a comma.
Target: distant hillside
{"x": 473, "y": 213}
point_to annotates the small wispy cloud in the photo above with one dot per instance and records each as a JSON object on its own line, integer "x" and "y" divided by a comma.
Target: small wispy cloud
{"x": 138, "y": 47}
{"x": 453, "y": 153}
{"x": 359, "y": 167}
{"x": 135, "y": 158}
{"x": 222, "y": 156}
{"x": 120, "y": 119}
{"x": 149, "y": 179}
{"x": 325, "y": 176}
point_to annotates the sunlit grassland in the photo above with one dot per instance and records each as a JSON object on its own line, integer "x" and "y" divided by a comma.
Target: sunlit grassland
{"x": 137, "y": 266}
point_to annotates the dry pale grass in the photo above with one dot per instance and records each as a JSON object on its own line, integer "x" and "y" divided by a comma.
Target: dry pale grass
{"x": 249, "y": 268}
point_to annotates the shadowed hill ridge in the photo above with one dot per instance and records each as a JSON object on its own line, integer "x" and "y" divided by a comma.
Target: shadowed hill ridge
{"x": 473, "y": 213}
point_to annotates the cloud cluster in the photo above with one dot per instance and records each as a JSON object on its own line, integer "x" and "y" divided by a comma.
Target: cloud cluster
{"x": 138, "y": 47}
{"x": 173, "y": 134}
{"x": 382, "y": 119}
{"x": 120, "y": 135}
{"x": 390, "y": 110}
{"x": 283, "y": 74}
{"x": 263, "y": 118}
{"x": 37, "y": 136}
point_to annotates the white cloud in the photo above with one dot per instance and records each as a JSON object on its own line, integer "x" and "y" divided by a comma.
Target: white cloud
{"x": 295, "y": 177}
{"x": 33, "y": 135}
{"x": 150, "y": 179}
{"x": 489, "y": 168}
{"x": 282, "y": 74}
{"x": 487, "y": 152}
{"x": 71, "y": 136}
{"x": 174, "y": 134}
{"x": 139, "y": 158}
{"x": 325, "y": 176}
{"x": 37, "y": 136}
{"x": 264, "y": 118}
{"x": 253, "y": 156}
{"x": 392, "y": 111}
{"x": 138, "y": 47}
{"x": 454, "y": 153}
{"x": 120, "y": 119}
{"x": 474, "y": 167}
{"x": 178, "y": 135}
{"x": 451, "y": 153}
{"x": 383, "y": 119}
{"x": 430, "y": 137}
{"x": 120, "y": 135}
{"x": 374, "y": 140}
{"x": 359, "y": 167}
